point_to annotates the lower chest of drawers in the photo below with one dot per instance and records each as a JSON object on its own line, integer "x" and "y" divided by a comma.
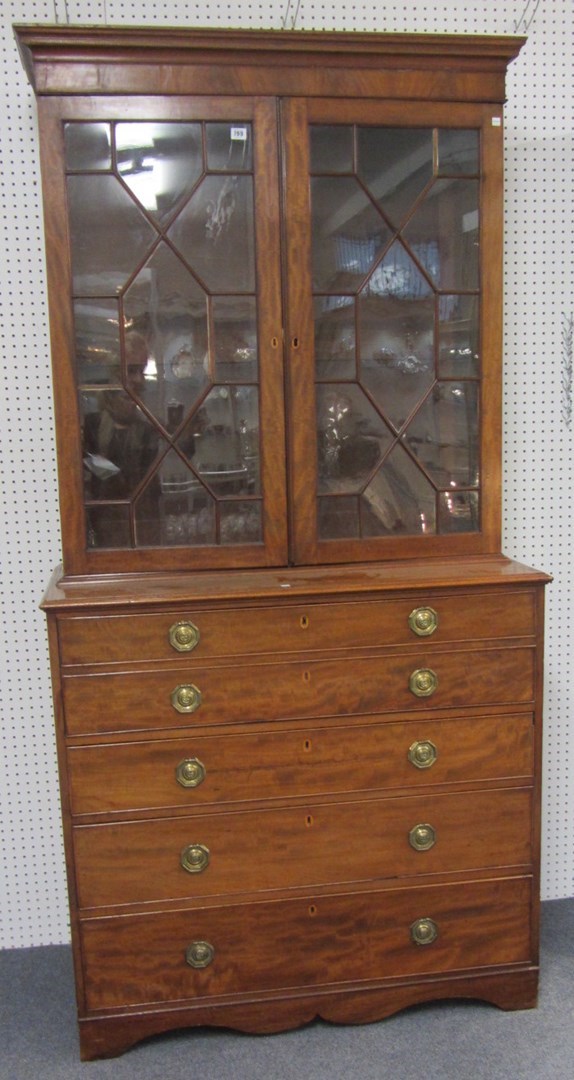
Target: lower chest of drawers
{"x": 350, "y": 801}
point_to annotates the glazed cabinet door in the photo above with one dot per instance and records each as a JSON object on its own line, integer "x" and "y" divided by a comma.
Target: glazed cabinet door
{"x": 162, "y": 221}
{"x": 394, "y": 284}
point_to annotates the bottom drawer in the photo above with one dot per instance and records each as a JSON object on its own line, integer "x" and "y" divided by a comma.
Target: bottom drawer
{"x": 312, "y": 942}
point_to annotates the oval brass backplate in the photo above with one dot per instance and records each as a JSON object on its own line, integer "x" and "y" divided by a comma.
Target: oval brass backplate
{"x": 186, "y": 698}
{"x": 422, "y": 753}
{"x": 424, "y": 931}
{"x": 183, "y": 636}
{"x": 422, "y": 837}
{"x": 190, "y": 772}
{"x": 195, "y": 858}
{"x": 423, "y": 621}
{"x": 423, "y": 682}
{"x": 199, "y": 954}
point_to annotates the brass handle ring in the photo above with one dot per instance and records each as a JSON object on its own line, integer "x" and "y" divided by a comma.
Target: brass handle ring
{"x": 423, "y": 682}
{"x": 195, "y": 858}
{"x": 183, "y": 636}
{"x": 190, "y": 772}
{"x": 422, "y": 837}
{"x": 199, "y": 954}
{"x": 186, "y": 698}
{"x": 424, "y": 931}
{"x": 422, "y": 753}
{"x": 423, "y": 621}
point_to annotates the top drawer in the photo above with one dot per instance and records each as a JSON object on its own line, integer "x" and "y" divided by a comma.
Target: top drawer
{"x": 284, "y": 627}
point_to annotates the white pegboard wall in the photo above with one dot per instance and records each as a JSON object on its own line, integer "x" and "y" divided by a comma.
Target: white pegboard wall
{"x": 538, "y": 447}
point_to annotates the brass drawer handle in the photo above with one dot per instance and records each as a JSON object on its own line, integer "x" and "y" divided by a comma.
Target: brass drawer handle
{"x": 423, "y": 753}
{"x": 190, "y": 772}
{"x": 199, "y": 954}
{"x": 422, "y": 837}
{"x": 423, "y": 682}
{"x": 186, "y": 698}
{"x": 183, "y": 636}
{"x": 423, "y": 621}
{"x": 195, "y": 858}
{"x": 424, "y": 932}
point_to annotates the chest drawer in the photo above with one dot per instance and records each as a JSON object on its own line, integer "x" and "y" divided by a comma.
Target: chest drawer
{"x": 199, "y": 771}
{"x": 354, "y": 938}
{"x": 285, "y": 627}
{"x": 134, "y": 701}
{"x": 318, "y": 844}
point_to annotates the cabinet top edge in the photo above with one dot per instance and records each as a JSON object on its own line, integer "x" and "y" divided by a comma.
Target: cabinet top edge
{"x": 41, "y": 42}
{"x": 333, "y": 581}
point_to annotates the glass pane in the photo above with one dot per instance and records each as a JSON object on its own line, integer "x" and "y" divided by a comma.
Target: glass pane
{"x": 444, "y": 434}
{"x": 235, "y": 338}
{"x": 348, "y": 234}
{"x": 108, "y": 527}
{"x": 240, "y": 522}
{"x": 458, "y": 151}
{"x": 331, "y": 148}
{"x": 399, "y": 500}
{"x": 109, "y": 234}
{"x": 458, "y": 511}
{"x": 88, "y": 146}
{"x": 160, "y": 163}
{"x": 351, "y": 436}
{"x": 97, "y": 341}
{"x": 119, "y": 443}
{"x": 443, "y": 234}
{"x": 215, "y": 234}
{"x": 226, "y": 442}
{"x": 395, "y": 164}
{"x": 335, "y": 337}
{"x": 229, "y": 147}
{"x": 459, "y": 336}
{"x": 397, "y": 362}
{"x": 167, "y": 308}
{"x": 396, "y": 326}
{"x": 184, "y": 509}
{"x": 338, "y": 517}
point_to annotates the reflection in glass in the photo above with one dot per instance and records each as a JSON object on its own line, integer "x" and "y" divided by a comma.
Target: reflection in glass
{"x": 119, "y": 443}
{"x": 458, "y": 151}
{"x": 226, "y": 441}
{"x": 229, "y": 147}
{"x": 331, "y": 148}
{"x": 397, "y": 361}
{"x": 109, "y": 234}
{"x": 235, "y": 338}
{"x": 108, "y": 526}
{"x": 183, "y": 508}
{"x": 240, "y": 522}
{"x": 443, "y": 233}
{"x": 399, "y": 500}
{"x": 215, "y": 233}
{"x": 348, "y": 234}
{"x": 444, "y": 434}
{"x": 97, "y": 341}
{"x": 169, "y": 309}
{"x": 458, "y": 511}
{"x": 351, "y": 437}
{"x": 459, "y": 336}
{"x": 160, "y": 163}
{"x": 395, "y": 164}
{"x": 87, "y": 146}
{"x": 335, "y": 337}
{"x": 338, "y": 517}
{"x": 396, "y": 326}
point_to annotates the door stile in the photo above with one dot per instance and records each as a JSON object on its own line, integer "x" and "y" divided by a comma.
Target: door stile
{"x": 299, "y": 334}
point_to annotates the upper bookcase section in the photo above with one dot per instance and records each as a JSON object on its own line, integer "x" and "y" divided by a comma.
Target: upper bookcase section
{"x": 114, "y": 60}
